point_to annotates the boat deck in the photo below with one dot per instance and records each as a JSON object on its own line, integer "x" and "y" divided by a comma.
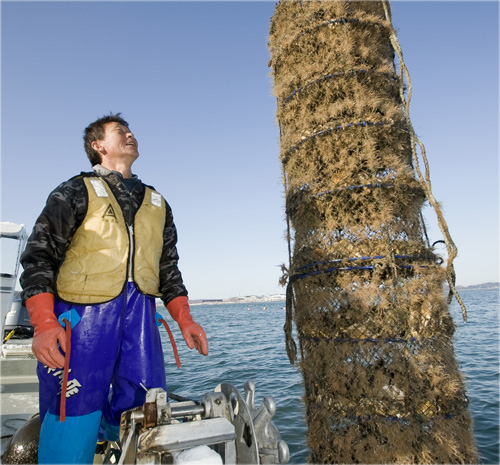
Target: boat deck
{"x": 19, "y": 387}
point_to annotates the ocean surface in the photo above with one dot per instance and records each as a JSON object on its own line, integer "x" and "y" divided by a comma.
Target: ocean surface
{"x": 246, "y": 342}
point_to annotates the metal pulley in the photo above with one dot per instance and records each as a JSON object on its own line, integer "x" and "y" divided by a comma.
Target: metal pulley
{"x": 224, "y": 421}
{"x": 257, "y": 438}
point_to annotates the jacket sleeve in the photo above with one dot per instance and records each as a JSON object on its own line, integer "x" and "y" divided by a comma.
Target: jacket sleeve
{"x": 51, "y": 237}
{"x": 171, "y": 284}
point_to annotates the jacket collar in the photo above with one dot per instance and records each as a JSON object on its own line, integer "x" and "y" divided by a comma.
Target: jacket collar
{"x": 104, "y": 172}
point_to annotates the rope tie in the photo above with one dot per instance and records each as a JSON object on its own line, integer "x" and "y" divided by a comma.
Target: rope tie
{"x": 343, "y": 126}
{"x": 301, "y": 273}
{"x": 331, "y": 22}
{"x": 351, "y": 72}
{"x": 379, "y": 185}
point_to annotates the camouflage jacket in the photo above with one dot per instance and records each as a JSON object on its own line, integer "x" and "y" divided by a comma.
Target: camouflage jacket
{"x": 64, "y": 212}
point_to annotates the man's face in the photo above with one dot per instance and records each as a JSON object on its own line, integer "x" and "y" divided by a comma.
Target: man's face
{"x": 119, "y": 143}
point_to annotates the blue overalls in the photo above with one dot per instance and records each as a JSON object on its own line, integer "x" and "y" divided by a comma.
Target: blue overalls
{"x": 115, "y": 351}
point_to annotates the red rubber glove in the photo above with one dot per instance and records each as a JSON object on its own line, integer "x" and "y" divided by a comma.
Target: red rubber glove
{"x": 192, "y": 332}
{"x": 48, "y": 331}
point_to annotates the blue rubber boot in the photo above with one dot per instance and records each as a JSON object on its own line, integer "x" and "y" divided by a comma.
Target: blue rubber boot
{"x": 71, "y": 441}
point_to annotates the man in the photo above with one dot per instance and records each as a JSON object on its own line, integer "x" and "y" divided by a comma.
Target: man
{"x": 102, "y": 250}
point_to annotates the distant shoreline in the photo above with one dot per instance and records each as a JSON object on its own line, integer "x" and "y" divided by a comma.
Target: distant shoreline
{"x": 282, "y": 297}
{"x": 491, "y": 285}
{"x": 248, "y": 299}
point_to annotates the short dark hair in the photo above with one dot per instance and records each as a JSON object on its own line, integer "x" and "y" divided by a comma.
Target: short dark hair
{"x": 95, "y": 131}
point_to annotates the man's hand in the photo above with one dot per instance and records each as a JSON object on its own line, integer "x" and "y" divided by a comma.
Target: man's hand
{"x": 48, "y": 331}
{"x": 45, "y": 346}
{"x": 192, "y": 332}
{"x": 194, "y": 335}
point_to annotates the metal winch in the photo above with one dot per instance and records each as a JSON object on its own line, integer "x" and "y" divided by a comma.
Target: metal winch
{"x": 223, "y": 420}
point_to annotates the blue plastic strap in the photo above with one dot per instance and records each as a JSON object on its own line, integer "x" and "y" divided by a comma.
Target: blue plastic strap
{"x": 71, "y": 315}
{"x": 158, "y": 317}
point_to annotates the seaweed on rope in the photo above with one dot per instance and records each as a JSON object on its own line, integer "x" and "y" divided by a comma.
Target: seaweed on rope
{"x": 365, "y": 288}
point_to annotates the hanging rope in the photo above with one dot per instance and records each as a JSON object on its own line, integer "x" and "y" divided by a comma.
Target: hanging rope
{"x": 172, "y": 340}
{"x": 404, "y": 76}
{"x": 66, "y": 370}
{"x": 291, "y": 346}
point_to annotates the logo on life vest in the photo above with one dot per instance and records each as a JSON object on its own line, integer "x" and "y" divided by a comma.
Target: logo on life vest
{"x": 109, "y": 212}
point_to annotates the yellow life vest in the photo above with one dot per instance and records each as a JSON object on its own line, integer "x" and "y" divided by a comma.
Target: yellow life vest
{"x": 104, "y": 250}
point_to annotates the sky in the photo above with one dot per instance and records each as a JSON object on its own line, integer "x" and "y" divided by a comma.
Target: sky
{"x": 192, "y": 80}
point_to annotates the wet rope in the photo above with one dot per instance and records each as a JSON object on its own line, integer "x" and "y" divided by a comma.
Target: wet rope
{"x": 179, "y": 398}
{"x": 424, "y": 179}
{"x": 66, "y": 370}
{"x": 291, "y": 346}
{"x": 172, "y": 341}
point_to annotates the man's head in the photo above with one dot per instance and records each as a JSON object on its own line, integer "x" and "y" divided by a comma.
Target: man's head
{"x": 96, "y": 131}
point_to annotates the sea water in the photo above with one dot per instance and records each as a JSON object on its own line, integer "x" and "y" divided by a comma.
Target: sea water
{"x": 246, "y": 342}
